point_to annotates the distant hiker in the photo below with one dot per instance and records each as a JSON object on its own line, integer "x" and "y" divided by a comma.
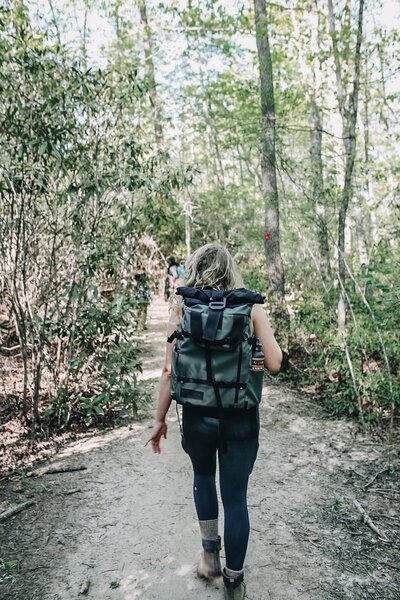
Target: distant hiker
{"x": 172, "y": 268}
{"x": 180, "y": 271}
{"x": 219, "y": 342}
{"x": 171, "y": 277}
{"x": 143, "y": 298}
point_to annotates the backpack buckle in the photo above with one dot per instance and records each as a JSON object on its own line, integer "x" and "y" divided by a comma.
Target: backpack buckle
{"x": 217, "y": 304}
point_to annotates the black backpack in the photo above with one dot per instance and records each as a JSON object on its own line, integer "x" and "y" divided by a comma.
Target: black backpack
{"x": 211, "y": 360}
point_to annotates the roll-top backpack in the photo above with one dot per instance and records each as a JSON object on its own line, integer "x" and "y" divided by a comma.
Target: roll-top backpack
{"x": 211, "y": 360}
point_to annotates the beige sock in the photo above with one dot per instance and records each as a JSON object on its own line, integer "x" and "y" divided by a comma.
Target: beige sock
{"x": 233, "y": 574}
{"x": 209, "y": 529}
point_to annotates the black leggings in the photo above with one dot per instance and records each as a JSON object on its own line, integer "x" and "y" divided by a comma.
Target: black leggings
{"x": 201, "y": 440}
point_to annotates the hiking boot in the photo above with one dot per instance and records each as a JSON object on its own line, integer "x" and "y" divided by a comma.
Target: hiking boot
{"x": 210, "y": 565}
{"x": 234, "y": 588}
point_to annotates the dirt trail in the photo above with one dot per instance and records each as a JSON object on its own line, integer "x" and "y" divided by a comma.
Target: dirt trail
{"x": 131, "y": 528}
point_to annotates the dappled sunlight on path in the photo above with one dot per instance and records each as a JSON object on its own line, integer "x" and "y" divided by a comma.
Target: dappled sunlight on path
{"x": 155, "y": 339}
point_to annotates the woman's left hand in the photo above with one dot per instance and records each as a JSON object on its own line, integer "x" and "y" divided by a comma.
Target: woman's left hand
{"x": 160, "y": 429}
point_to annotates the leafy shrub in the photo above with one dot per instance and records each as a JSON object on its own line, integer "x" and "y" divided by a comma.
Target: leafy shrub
{"x": 81, "y": 192}
{"x": 371, "y": 338}
{"x": 254, "y": 278}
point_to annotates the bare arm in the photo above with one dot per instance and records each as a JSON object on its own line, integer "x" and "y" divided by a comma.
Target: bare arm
{"x": 262, "y": 329}
{"x": 164, "y": 396}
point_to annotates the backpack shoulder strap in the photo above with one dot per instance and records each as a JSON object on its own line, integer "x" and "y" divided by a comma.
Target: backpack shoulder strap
{"x": 216, "y": 306}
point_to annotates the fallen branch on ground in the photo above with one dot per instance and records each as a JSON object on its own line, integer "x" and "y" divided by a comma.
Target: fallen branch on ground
{"x": 9, "y": 350}
{"x": 369, "y": 522}
{"x": 371, "y": 481}
{"x": 52, "y": 470}
{"x": 74, "y": 491}
{"x": 10, "y": 512}
{"x": 386, "y": 493}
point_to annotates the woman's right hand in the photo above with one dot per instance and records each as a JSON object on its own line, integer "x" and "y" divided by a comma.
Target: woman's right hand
{"x": 159, "y": 430}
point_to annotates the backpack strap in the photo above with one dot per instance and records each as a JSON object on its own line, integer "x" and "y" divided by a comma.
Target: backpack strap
{"x": 171, "y": 337}
{"x": 175, "y": 335}
{"x": 215, "y": 384}
{"x": 216, "y": 305}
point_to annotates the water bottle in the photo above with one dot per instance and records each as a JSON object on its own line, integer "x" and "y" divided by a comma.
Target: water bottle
{"x": 257, "y": 358}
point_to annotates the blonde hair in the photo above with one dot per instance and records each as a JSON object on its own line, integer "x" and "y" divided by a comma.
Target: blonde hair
{"x": 213, "y": 266}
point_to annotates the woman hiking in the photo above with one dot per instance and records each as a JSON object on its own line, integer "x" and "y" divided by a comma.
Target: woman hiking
{"x": 220, "y": 414}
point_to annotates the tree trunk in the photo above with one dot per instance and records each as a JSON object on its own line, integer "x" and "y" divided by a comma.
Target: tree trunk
{"x": 315, "y": 121}
{"x": 268, "y": 166}
{"x": 348, "y": 111}
{"x": 361, "y": 237}
{"x": 187, "y": 211}
{"x": 218, "y": 169}
{"x": 311, "y": 74}
{"x": 367, "y": 226}
{"x": 317, "y": 178}
{"x": 150, "y": 72}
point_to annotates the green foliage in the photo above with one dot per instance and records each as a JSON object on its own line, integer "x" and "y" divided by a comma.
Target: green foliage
{"x": 254, "y": 278}
{"x": 81, "y": 192}
{"x": 11, "y": 565}
{"x": 104, "y": 358}
{"x": 8, "y": 568}
{"x": 372, "y": 341}
{"x": 114, "y": 585}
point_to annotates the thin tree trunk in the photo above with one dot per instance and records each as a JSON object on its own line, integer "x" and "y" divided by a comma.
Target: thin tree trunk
{"x": 212, "y": 134}
{"x": 187, "y": 210}
{"x": 83, "y": 32}
{"x": 312, "y": 81}
{"x": 54, "y": 21}
{"x": 150, "y": 72}
{"x": 20, "y": 328}
{"x": 268, "y": 166}
{"x": 368, "y": 223}
{"x": 240, "y": 163}
{"x": 383, "y": 88}
{"x": 361, "y": 237}
{"x": 314, "y": 119}
{"x": 348, "y": 111}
